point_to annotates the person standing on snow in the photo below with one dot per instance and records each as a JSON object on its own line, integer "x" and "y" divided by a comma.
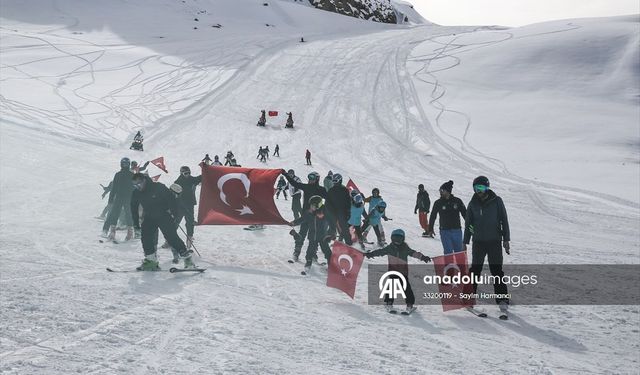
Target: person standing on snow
{"x": 216, "y": 160}
{"x": 260, "y": 152}
{"x": 262, "y": 121}
{"x": 486, "y": 221}
{"x": 296, "y": 195}
{"x": 315, "y": 219}
{"x": 289, "y": 123}
{"x": 375, "y": 215}
{"x": 328, "y": 181}
{"x": 282, "y": 187}
{"x": 276, "y": 151}
{"x": 373, "y": 201}
{"x": 159, "y": 205}
{"x": 450, "y": 209}
{"x": 355, "y": 217}
{"x": 310, "y": 189}
{"x": 119, "y": 199}
{"x": 398, "y": 252}
{"x": 307, "y": 157}
{"x": 338, "y": 209}
{"x": 423, "y": 203}
{"x": 207, "y": 159}
{"x": 187, "y": 200}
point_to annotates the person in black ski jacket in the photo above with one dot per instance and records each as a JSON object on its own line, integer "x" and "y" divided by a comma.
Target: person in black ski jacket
{"x": 339, "y": 209}
{"x": 160, "y": 207}
{"x": 315, "y": 219}
{"x": 450, "y": 209}
{"x": 310, "y": 189}
{"x": 486, "y": 221}
{"x": 186, "y": 200}
{"x": 398, "y": 252}
{"x": 296, "y": 195}
{"x": 422, "y": 209}
{"x": 119, "y": 199}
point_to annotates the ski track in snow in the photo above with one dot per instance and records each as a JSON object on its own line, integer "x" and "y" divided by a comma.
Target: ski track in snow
{"x": 354, "y": 98}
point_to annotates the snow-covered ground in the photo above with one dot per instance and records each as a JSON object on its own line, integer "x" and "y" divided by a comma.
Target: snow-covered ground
{"x": 549, "y": 112}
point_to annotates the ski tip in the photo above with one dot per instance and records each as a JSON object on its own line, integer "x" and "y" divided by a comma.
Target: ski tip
{"x": 290, "y": 261}
{"x": 109, "y": 269}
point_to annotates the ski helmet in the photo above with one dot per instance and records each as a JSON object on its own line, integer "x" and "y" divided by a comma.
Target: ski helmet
{"x": 382, "y": 204}
{"x": 354, "y": 193}
{"x": 291, "y": 172}
{"x": 480, "y": 184}
{"x": 313, "y": 176}
{"x": 358, "y": 200}
{"x": 316, "y": 202}
{"x": 421, "y": 187}
{"x": 139, "y": 181}
{"x": 125, "y": 163}
{"x": 336, "y": 178}
{"x": 330, "y": 173}
{"x": 397, "y": 236}
{"x": 184, "y": 169}
{"x": 375, "y": 191}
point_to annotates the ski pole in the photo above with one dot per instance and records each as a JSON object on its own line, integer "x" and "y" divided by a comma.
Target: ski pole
{"x": 194, "y": 246}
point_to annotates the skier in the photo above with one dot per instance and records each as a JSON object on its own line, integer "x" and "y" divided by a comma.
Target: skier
{"x": 105, "y": 191}
{"x": 282, "y": 188}
{"x": 276, "y": 151}
{"x": 423, "y": 203}
{"x": 355, "y": 218}
{"x": 216, "y": 160}
{"x": 266, "y": 151}
{"x": 187, "y": 200}
{"x": 228, "y": 157}
{"x": 374, "y": 216}
{"x": 314, "y": 218}
{"x": 159, "y": 206}
{"x": 207, "y": 159}
{"x": 119, "y": 199}
{"x": 398, "y": 251}
{"x": 260, "y": 151}
{"x": 328, "y": 181}
{"x": 373, "y": 201}
{"x": 289, "y": 123}
{"x": 450, "y": 209}
{"x": 137, "y": 142}
{"x": 310, "y": 189}
{"x": 234, "y": 163}
{"x": 262, "y": 121}
{"x": 338, "y": 209}
{"x": 487, "y": 222}
{"x": 296, "y": 195}
{"x": 307, "y": 157}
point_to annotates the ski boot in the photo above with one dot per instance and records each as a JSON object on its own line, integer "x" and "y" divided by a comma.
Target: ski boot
{"x": 112, "y": 233}
{"x": 188, "y": 262}
{"x": 176, "y": 256}
{"x": 130, "y": 234}
{"x": 390, "y": 308}
{"x": 150, "y": 263}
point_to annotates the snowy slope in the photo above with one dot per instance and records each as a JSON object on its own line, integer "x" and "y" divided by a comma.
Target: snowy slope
{"x": 363, "y": 111}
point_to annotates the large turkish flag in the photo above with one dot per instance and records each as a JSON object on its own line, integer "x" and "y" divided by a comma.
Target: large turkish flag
{"x": 344, "y": 267}
{"x": 453, "y": 264}
{"x": 238, "y": 196}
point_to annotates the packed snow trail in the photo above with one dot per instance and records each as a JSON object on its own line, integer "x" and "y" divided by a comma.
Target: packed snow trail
{"x": 355, "y": 107}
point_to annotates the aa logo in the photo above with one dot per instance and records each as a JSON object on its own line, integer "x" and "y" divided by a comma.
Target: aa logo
{"x": 392, "y": 284}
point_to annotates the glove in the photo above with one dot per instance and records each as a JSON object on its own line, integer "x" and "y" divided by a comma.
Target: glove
{"x": 368, "y": 255}
{"x": 137, "y": 233}
{"x": 426, "y": 259}
{"x": 283, "y": 172}
{"x": 385, "y": 218}
{"x": 507, "y": 247}
{"x": 415, "y": 212}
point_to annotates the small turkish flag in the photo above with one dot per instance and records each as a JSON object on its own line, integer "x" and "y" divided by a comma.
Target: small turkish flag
{"x": 453, "y": 264}
{"x": 273, "y": 113}
{"x": 344, "y": 267}
{"x": 159, "y": 162}
{"x": 155, "y": 178}
{"x": 238, "y": 196}
{"x": 351, "y": 185}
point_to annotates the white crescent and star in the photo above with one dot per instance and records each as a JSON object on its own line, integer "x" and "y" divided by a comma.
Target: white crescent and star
{"x": 245, "y": 210}
{"x": 349, "y": 259}
{"x": 448, "y": 267}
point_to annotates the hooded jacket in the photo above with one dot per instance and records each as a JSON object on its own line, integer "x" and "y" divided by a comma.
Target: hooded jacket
{"x": 121, "y": 187}
{"x": 317, "y": 222}
{"x": 188, "y": 185}
{"x": 156, "y": 200}
{"x": 422, "y": 201}
{"x": 486, "y": 220}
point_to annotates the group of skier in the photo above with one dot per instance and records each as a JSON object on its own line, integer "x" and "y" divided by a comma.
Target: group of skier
{"x": 262, "y": 121}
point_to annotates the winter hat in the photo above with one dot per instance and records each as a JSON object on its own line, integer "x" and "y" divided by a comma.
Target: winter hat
{"x": 448, "y": 186}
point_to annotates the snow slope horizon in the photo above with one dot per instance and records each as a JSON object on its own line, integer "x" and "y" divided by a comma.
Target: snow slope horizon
{"x": 251, "y": 312}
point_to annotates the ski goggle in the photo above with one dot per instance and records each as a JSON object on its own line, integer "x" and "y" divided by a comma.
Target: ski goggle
{"x": 480, "y": 188}
{"x": 312, "y": 177}
{"x": 186, "y": 173}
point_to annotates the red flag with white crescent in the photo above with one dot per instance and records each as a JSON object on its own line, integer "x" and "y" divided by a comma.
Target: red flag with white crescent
{"x": 344, "y": 267}
{"x": 453, "y": 264}
{"x": 238, "y": 196}
{"x": 159, "y": 162}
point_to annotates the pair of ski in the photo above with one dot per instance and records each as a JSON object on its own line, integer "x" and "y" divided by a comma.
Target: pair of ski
{"x": 305, "y": 272}
{"x": 171, "y": 270}
{"x": 503, "y": 313}
{"x": 393, "y": 310}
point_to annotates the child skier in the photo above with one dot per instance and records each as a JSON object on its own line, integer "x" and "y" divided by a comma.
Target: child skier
{"x": 398, "y": 251}
{"x": 282, "y": 187}
{"x": 315, "y": 219}
{"x": 375, "y": 215}
{"x": 355, "y": 219}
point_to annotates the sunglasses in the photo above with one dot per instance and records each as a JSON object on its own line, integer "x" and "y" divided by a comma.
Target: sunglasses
{"x": 480, "y": 188}
{"x": 185, "y": 173}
